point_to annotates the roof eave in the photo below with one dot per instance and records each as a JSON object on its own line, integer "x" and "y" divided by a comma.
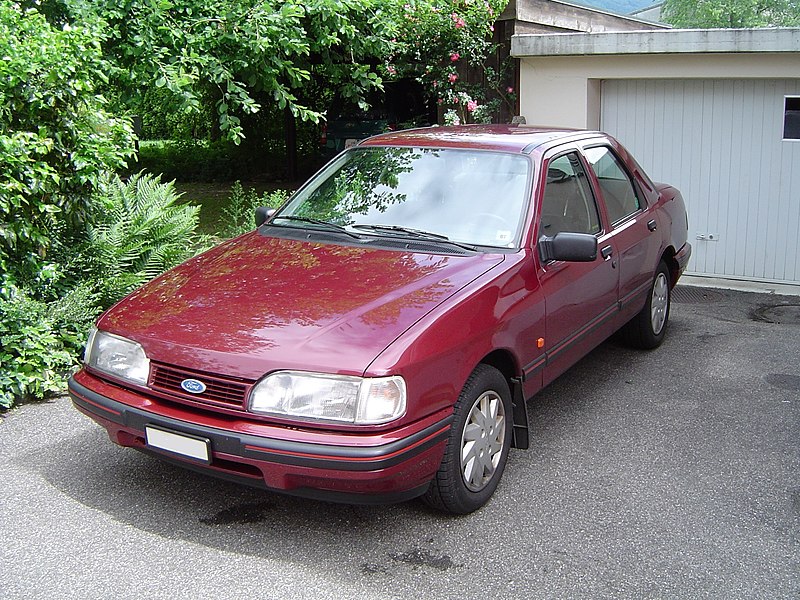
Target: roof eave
{"x": 674, "y": 41}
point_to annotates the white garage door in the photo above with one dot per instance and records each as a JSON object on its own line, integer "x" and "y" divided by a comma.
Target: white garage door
{"x": 720, "y": 142}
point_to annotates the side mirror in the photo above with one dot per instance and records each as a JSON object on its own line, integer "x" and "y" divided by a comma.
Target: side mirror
{"x": 263, "y": 213}
{"x": 570, "y": 247}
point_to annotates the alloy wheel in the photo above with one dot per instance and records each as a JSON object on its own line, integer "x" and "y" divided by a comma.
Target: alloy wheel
{"x": 482, "y": 440}
{"x": 659, "y": 303}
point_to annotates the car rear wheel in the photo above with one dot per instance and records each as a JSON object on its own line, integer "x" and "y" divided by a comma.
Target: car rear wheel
{"x": 477, "y": 446}
{"x": 646, "y": 330}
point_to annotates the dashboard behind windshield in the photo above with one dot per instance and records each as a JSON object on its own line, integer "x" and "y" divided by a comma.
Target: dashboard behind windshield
{"x": 471, "y": 197}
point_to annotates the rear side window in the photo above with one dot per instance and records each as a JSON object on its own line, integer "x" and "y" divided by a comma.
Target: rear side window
{"x": 617, "y": 189}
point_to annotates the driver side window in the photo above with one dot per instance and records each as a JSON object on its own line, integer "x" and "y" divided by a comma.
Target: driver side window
{"x": 568, "y": 203}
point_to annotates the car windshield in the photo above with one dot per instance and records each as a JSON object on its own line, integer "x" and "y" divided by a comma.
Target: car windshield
{"x": 466, "y": 196}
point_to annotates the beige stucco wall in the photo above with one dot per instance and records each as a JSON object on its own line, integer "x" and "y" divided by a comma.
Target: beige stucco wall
{"x": 565, "y": 90}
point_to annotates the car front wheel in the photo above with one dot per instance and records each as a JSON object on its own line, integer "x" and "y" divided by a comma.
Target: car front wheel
{"x": 477, "y": 446}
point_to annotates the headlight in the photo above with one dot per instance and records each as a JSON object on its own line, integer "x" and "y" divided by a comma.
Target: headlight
{"x": 319, "y": 397}
{"x": 116, "y": 356}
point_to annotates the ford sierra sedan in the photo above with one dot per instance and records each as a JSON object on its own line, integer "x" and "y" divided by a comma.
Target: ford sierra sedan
{"x": 376, "y": 338}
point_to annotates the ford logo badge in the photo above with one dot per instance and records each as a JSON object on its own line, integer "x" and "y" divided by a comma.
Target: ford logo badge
{"x": 193, "y": 386}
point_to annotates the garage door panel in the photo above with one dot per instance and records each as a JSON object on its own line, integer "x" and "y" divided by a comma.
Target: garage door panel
{"x": 719, "y": 141}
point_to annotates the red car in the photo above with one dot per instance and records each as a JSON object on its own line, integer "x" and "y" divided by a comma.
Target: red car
{"x": 376, "y": 338}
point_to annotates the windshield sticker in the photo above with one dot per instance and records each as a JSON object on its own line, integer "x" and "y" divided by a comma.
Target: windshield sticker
{"x": 503, "y": 235}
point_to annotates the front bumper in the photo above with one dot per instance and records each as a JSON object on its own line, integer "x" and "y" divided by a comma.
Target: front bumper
{"x": 343, "y": 467}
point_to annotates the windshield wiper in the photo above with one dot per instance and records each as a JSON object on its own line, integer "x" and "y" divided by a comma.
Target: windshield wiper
{"x": 414, "y": 233}
{"x": 324, "y": 224}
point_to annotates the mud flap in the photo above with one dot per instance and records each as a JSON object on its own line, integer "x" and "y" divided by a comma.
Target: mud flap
{"x": 520, "y": 436}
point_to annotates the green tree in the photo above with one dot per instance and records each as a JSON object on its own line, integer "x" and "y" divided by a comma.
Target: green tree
{"x": 731, "y": 13}
{"x": 57, "y": 138}
{"x": 232, "y": 53}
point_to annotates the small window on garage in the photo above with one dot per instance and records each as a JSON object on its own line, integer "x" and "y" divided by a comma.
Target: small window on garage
{"x": 791, "y": 118}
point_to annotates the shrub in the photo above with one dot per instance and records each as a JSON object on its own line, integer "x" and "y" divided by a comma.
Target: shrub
{"x": 238, "y": 215}
{"x": 189, "y": 160}
{"x": 139, "y": 232}
{"x": 57, "y": 139}
{"x": 34, "y": 359}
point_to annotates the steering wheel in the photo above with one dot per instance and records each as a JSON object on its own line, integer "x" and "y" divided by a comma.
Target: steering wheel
{"x": 555, "y": 175}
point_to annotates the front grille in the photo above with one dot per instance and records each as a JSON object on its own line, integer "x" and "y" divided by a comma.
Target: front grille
{"x": 219, "y": 390}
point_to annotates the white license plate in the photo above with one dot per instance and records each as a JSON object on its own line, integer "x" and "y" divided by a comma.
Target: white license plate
{"x": 177, "y": 443}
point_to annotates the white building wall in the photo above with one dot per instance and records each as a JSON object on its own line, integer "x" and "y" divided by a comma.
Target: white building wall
{"x": 557, "y": 90}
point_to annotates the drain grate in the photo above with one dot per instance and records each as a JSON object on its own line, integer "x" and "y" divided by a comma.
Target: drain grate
{"x": 689, "y": 294}
{"x": 782, "y": 314}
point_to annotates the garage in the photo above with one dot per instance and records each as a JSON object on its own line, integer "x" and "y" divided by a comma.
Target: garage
{"x": 720, "y": 141}
{"x": 712, "y": 112}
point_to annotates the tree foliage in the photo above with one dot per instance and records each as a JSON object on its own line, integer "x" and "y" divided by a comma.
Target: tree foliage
{"x": 233, "y": 52}
{"x": 57, "y": 138}
{"x": 731, "y": 13}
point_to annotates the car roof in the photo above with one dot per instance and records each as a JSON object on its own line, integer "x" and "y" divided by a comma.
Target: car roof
{"x": 507, "y": 138}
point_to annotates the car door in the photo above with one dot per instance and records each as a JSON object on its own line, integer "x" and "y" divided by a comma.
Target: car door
{"x": 580, "y": 297}
{"x": 632, "y": 226}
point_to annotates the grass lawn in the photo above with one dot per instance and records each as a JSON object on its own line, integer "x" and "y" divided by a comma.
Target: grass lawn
{"x": 212, "y": 198}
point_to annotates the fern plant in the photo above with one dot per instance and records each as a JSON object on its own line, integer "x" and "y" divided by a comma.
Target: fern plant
{"x": 142, "y": 232}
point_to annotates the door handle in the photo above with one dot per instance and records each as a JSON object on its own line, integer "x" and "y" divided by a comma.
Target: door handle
{"x": 651, "y": 225}
{"x": 606, "y": 252}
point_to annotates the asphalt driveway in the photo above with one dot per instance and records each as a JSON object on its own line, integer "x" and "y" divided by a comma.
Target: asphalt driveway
{"x": 665, "y": 474}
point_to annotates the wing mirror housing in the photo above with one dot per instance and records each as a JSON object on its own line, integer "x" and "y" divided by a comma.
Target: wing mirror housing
{"x": 263, "y": 213}
{"x": 569, "y": 247}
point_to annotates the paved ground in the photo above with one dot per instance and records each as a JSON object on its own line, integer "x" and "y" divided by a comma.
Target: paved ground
{"x": 668, "y": 474}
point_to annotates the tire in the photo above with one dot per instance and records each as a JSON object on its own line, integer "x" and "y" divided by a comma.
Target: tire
{"x": 646, "y": 330}
{"x": 477, "y": 447}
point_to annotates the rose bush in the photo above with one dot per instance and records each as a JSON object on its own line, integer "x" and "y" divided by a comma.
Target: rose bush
{"x": 437, "y": 38}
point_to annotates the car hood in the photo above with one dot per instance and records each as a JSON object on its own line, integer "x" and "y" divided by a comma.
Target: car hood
{"x": 257, "y": 304}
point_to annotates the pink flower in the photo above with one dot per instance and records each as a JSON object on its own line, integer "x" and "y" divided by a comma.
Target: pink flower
{"x": 459, "y": 21}
{"x": 440, "y": 101}
{"x": 455, "y": 56}
{"x": 455, "y": 100}
{"x": 510, "y": 90}
{"x": 452, "y": 77}
{"x": 391, "y": 69}
{"x": 491, "y": 27}
{"x": 471, "y": 105}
